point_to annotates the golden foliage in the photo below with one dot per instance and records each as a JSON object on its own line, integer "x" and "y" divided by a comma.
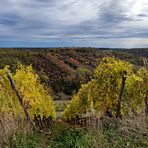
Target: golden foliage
{"x": 102, "y": 92}
{"x": 36, "y": 98}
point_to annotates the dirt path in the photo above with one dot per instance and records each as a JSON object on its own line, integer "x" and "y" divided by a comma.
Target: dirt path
{"x": 58, "y": 114}
{"x": 60, "y": 102}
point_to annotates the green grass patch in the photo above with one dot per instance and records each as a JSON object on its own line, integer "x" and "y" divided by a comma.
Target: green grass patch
{"x": 66, "y": 137}
{"x": 60, "y": 106}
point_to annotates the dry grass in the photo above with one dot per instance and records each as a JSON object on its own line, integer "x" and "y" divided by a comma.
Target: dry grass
{"x": 10, "y": 127}
{"x": 134, "y": 125}
{"x": 131, "y": 131}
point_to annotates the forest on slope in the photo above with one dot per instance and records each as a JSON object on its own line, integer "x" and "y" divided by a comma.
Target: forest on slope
{"x": 63, "y": 70}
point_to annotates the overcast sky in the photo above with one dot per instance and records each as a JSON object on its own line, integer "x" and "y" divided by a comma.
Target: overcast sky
{"x": 56, "y": 23}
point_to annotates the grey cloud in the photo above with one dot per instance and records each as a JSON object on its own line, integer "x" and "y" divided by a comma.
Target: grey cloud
{"x": 53, "y": 20}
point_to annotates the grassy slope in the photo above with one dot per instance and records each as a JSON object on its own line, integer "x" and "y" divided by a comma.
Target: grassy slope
{"x": 64, "y": 136}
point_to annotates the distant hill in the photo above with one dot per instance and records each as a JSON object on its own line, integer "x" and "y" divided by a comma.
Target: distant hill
{"x": 64, "y": 69}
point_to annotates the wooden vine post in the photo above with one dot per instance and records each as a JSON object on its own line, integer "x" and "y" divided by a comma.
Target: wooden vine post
{"x": 146, "y": 103}
{"x": 20, "y": 99}
{"x": 145, "y": 62}
{"x": 118, "y": 114}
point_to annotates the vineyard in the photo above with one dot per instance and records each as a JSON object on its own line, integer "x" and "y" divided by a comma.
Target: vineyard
{"x": 113, "y": 81}
{"x": 110, "y": 109}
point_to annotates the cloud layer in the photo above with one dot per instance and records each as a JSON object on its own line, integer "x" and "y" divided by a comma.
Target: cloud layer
{"x": 97, "y": 23}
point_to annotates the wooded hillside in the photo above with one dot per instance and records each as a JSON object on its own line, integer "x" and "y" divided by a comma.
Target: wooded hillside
{"x": 64, "y": 69}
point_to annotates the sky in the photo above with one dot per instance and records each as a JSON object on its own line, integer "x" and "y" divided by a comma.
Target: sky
{"x": 74, "y": 23}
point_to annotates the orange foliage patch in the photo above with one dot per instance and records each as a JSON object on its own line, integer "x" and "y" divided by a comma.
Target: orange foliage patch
{"x": 74, "y": 61}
